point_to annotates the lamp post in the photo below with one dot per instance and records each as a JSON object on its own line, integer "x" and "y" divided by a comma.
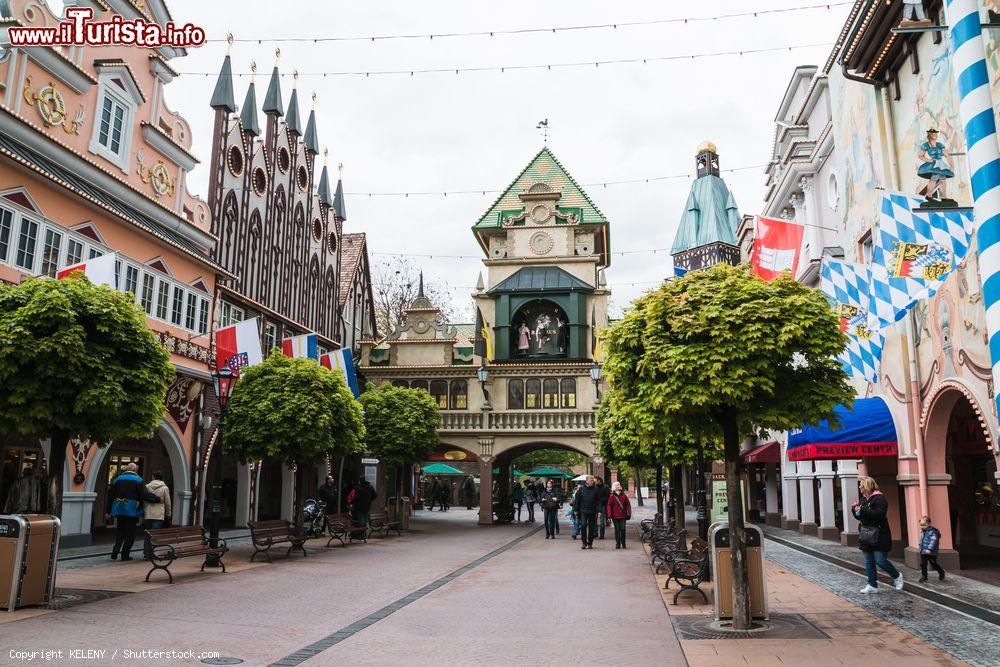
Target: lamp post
{"x": 224, "y": 382}
{"x": 483, "y": 375}
{"x": 595, "y": 376}
{"x": 702, "y": 496}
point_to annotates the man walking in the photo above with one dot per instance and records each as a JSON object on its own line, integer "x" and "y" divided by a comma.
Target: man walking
{"x": 469, "y": 491}
{"x": 328, "y": 495}
{"x": 585, "y": 505}
{"x": 360, "y": 502}
{"x": 125, "y": 498}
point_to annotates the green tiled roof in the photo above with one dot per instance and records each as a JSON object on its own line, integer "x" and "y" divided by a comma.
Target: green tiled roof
{"x": 543, "y": 168}
{"x": 710, "y": 216}
{"x": 541, "y": 279}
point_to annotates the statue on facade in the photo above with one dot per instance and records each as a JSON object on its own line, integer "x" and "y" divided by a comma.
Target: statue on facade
{"x": 522, "y": 338}
{"x": 935, "y": 168}
{"x": 914, "y": 15}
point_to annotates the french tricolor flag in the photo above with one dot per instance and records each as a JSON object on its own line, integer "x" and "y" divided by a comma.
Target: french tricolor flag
{"x": 100, "y": 270}
{"x": 305, "y": 345}
{"x": 343, "y": 361}
{"x": 238, "y": 346}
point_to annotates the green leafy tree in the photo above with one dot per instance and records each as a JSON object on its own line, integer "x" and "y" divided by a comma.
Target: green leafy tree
{"x": 548, "y": 457}
{"x": 296, "y": 411}
{"x": 77, "y": 361}
{"x": 719, "y": 354}
{"x": 402, "y": 426}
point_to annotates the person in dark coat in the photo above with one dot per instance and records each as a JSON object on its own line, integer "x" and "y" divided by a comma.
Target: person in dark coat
{"x": 585, "y": 504}
{"x": 930, "y": 543}
{"x": 126, "y": 495}
{"x": 360, "y": 502}
{"x": 435, "y": 493}
{"x": 551, "y": 500}
{"x": 329, "y": 495}
{"x": 469, "y": 491}
{"x": 602, "y": 505}
{"x": 619, "y": 508}
{"x": 874, "y": 535}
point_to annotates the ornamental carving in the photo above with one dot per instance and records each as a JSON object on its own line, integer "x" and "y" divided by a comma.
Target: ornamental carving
{"x": 52, "y": 107}
{"x": 79, "y": 451}
{"x": 158, "y": 179}
{"x": 185, "y": 348}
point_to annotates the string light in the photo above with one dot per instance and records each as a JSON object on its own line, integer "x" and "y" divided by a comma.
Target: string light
{"x": 566, "y": 65}
{"x": 539, "y": 30}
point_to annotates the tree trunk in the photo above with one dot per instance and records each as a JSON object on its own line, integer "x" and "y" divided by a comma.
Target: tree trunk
{"x": 340, "y": 486}
{"x": 659, "y": 490}
{"x": 302, "y": 471}
{"x": 737, "y": 529}
{"x": 638, "y": 488}
{"x": 677, "y": 490}
{"x": 399, "y": 496}
{"x": 56, "y": 464}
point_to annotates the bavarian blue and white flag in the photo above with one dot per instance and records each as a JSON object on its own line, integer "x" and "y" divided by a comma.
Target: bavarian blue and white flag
{"x": 848, "y": 288}
{"x": 915, "y": 251}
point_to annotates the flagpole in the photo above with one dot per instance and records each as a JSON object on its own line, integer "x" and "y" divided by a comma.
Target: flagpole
{"x": 972, "y": 77}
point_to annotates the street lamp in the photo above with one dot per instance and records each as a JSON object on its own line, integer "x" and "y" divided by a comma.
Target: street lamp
{"x": 224, "y": 381}
{"x": 595, "y": 375}
{"x": 483, "y": 374}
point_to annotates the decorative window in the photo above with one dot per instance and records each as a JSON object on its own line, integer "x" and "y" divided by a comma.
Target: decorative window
{"x": 93, "y": 253}
{"x": 533, "y": 394}
{"x": 331, "y": 243}
{"x": 114, "y": 119}
{"x": 50, "y": 253}
{"x": 231, "y": 314}
{"x": 832, "y": 192}
{"x": 284, "y": 160}
{"x": 112, "y": 125}
{"x": 458, "y": 395}
{"x": 515, "y": 394}
{"x": 439, "y": 392}
{"x": 317, "y": 230}
{"x": 131, "y": 278}
{"x": 5, "y": 221}
{"x": 177, "y": 307}
{"x": 190, "y": 320}
{"x": 420, "y": 384}
{"x": 235, "y": 160}
{"x": 202, "y": 315}
{"x": 148, "y": 288}
{"x": 302, "y": 177}
{"x": 26, "y": 244}
{"x": 550, "y": 393}
{"x": 568, "y": 393}
{"x": 259, "y": 181}
{"x": 162, "y": 300}
{"x": 74, "y": 252}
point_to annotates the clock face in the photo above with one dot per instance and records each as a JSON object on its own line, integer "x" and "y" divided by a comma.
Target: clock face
{"x": 540, "y": 243}
{"x": 540, "y": 214}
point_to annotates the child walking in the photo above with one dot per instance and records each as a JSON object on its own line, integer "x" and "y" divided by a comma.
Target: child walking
{"x": 930, "y": 542}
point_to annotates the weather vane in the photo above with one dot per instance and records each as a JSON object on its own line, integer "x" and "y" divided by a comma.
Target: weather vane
{"x": 543, "y": 125}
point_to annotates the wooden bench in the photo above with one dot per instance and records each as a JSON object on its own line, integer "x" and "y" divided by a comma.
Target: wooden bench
{"x": 266, "y": 534}
{"x": 340, "y": 526}
{"x": 169, "y": 544}
{"x": 691, "y": 570}
{"x": 667, "y": 547}
{"x": 379, "y": 522}
{"x": 503, "y": 513}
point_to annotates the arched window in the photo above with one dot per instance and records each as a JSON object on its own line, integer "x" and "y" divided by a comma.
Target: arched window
{"x": 568, "y": 393}
{"x": 540, "y": 328}
{"x": 515, "y": 394}
{"x": 400, "y": 383}
{"x": 439, "y": 392}
{"x": 458, "y": 398}
{"x": 550, "y": 393}
{"x": 419, "y": 384}
{"x": 532, "y": 394}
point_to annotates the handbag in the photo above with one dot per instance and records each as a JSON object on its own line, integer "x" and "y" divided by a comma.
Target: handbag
{"x": 868, "y": 536}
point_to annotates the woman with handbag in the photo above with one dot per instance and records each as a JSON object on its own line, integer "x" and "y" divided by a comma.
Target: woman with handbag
{"x": 874, "y": 535}
{"x": 619, "y": 508}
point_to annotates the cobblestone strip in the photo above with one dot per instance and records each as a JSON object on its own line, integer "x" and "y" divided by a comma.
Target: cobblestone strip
{"x": 966, "y": 638}
{"x": 349, "y": 631}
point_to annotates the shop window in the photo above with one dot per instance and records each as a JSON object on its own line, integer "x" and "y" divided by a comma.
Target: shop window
{"x": 119, "y": 463}
{"x": 568, "y": 393}
{"x": 458, "y": 398}
{"x": 550, "y": 393}
{"x": 515, "y": 394}
{"x": 532, "y": 394}
{"x": 439, "y": 392}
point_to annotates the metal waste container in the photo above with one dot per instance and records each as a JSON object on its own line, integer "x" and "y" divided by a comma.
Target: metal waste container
{"x": 29, "y": 548}
{"x": 722, "y": 571}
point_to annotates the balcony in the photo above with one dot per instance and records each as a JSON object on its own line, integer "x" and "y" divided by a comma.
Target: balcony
{"x": 519, "y": 420}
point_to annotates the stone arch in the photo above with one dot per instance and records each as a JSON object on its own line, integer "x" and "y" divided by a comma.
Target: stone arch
{"x": 936, "y": 415}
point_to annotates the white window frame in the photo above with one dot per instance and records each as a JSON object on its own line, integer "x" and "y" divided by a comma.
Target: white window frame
{"x": 107, "y": 89}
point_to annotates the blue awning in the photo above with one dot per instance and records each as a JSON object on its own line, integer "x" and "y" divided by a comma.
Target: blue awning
{"x": 866, "y": 429}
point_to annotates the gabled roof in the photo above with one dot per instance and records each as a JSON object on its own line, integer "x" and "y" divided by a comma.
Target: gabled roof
{"x": 541, "y": 279}
{"x": 352, "y": 249}
{"x": 710, "y": 216}
{"x": 543, "y": 168}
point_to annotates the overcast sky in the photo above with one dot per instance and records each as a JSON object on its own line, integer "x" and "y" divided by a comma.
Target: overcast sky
{"x": 474, "y": 131}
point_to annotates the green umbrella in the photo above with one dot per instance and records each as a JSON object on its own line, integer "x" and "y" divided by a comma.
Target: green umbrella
{"x": 516, "y": 473}
{"x": 441, "y": 469}
{"x": 549, "y": 472}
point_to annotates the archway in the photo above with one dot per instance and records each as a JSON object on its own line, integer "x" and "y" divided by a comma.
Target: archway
{"x": 960, "y": 453}
{"x": 461, "y": 489}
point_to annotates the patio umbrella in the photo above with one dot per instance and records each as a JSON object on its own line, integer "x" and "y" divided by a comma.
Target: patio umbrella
{"x": 549, "y": 472}
{"x": 441, "y": 469}
{"x": 516, "y": 473}
{"x": 580, "y": 478}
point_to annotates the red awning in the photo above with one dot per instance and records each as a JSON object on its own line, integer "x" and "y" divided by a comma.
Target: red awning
{"x": 769, "y": 452}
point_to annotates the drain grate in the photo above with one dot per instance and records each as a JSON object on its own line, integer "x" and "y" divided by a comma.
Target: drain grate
{"x": 222, "y": 661}
{"x": 71, "y": 597}
{"x": 779, "y": 626}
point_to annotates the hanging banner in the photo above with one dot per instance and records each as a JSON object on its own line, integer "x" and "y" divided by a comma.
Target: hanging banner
{"x": 776, "y": 247}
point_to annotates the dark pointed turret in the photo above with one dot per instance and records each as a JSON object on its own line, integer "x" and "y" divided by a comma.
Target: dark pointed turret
{"x": 324, "y": 185}
{"x": 292, "y": 117}
{"x": 248, "y": 115}
{"x": 339, "y": 207}
{"x": 222, "y": 96}
{"x": 272, "y": 101}
{"x": 312, "y": 143}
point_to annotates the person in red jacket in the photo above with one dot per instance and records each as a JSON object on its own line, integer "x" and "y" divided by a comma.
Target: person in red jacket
{"x": 619, "y": 509}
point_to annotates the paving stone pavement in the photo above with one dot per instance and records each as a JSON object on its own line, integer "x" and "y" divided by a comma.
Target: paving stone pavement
{"x": 539, "y": 602}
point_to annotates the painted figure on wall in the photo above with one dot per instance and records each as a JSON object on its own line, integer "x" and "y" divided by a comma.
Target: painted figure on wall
{"x": 522, "y": 338}
{"x": 562, "y": 334}
{"x": 935, "y": 167}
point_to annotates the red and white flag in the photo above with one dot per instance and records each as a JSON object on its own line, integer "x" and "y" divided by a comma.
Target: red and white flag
{"x": 100, "y": 270}
{"x": 238, "y": 346}
{"x": 776, "y": 247}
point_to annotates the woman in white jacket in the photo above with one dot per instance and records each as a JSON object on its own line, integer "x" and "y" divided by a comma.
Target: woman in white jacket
{"x": 156, "y": 513}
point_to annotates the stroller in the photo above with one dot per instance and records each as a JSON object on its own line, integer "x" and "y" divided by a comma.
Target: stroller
{"x": 313, "y": 518}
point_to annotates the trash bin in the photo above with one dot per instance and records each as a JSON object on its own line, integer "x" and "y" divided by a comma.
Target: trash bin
{"x": 722, "y": 571}
{"x": 29, "y": 547}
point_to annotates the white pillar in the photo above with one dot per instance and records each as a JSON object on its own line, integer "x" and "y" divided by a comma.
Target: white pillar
{"x": 825, "y": 476}
{"x": 771, "y": 516}
{"x": 848, "y": 473}
{"x": 790, "y": 494}
{"x": 806, "y": 499}
{"x": 242, "y": 495}
{"x": 287, "y": 492}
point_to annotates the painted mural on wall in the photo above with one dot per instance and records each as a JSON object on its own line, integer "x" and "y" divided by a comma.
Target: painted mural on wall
{"x": 928, "y": 100}
{"x": 859, "y": 153}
